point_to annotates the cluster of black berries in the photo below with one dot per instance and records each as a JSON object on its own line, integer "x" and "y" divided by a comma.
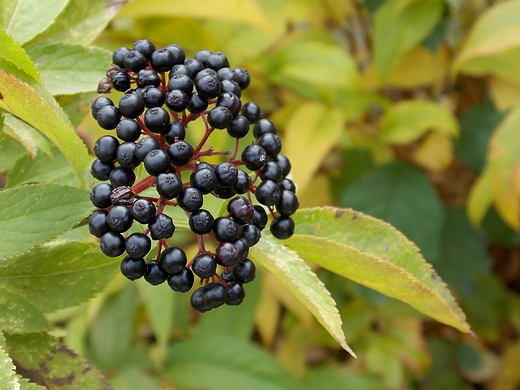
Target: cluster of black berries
{"x": 163, "y": 93}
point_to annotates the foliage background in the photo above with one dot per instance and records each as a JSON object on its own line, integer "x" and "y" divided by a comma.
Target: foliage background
{"x": 407, "y": 110}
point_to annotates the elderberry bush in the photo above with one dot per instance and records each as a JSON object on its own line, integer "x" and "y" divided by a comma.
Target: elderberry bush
{"x": 163, "y": 92}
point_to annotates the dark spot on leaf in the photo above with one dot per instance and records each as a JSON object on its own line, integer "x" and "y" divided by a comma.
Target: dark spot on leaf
{"x": 1, "y": 96}
{"x": 87, "y": 369}
{"x": 436, "y": 277}
{"x": 44, "y": 369}
{"x": 311, "y": 233}
{"x": 65, "y": 380}
{"x": 64, "y": 350}
{"x": 354, "y": 216}
{"x": 339, "y": 213}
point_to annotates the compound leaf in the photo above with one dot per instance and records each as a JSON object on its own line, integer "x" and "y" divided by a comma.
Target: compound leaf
{"x": 11, "y": 51}
{"x": 373, "y": 253}
{"x": 33, "y": 214}
{"x": 51, "y": 364}
{"x": 18, "y": 315}
{"x": 32, "y": 17}
{"x": 59, "y": 65}
{"x": 16, "y": 96}
{"x": 59, "y": 274}
{"x": 292, "y": 271}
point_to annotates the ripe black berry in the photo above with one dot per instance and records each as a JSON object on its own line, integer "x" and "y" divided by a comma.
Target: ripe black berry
{"x": 268, "y": 193}
{"x": 153, "y": 97}
{"x": 168, "y": 185}
{"x": 144, "y": 146}
{"x": 119, "y": 219}
{"x": 282, "y": 227}
{"x": 100, "y": 101}
{"x": 125, "y": 155}
{"x": 204, "y": 265}
{"x": 287, "y": 184}
{"x": 288, "y": 203}
{"x": 162, "y": 60}
{"x": 145, "y": 47}
{"x": 128, "y": 130}
{"x": 214, "y": 295}
{"x": 235, "y": 294}
{"x": 119, "y": 54}
{"x": 254, "y": 157}
{"x": 242, "y": 77}
{"x": 263, "y": 126}
{"x": 177, "y": 100}
{"x": 208, "y": 87}
{"x": 197, "y": 103}
{"x": 154, "y": 274}
{"x": 120, "y": 176}
{"x": 204, "y": 180}
{"x": 226, "y": 173}
{"x": 138, "y": 245}
{"x": 120, "y": 81}
{"x": 133, "y": 268}
{"x": 178, "y": 53}
{"x": 156, "y": 119}
{"x": 230, "y": 101}
{"x": 271, "y": 144}
{"x": 181, "y": 281}
{"x": 239, "y": 127}
{"x": 112, "y": 244}
{"x": 284, "y": 162}
{"x": 241, "y": 210}
{"x": 100, "y": 195}
{"x": 193, "y": 65}
{"x": 161, "y": 227}
{"x": 143, "y": 211}
{"x": 251, "y": 234}
{"x": 226, "y": 254}
{"x": 108, "y": 117}
{"x": 97, "y": 223}
{"x": 134, "y": 61}
{"x": 203, "y": 55}
{"x": 260, "y": 217}
{"x": 101, "y": 170}
{"x": 174, "y": 132}
{"x": 243, "y": 182}
{"x": 148, "y": 77}
{"x": 251, "y": 111}
{"x": 271, "y": 171}
{"x": 220, "y": 117}
{"x": 201, "y": 221}
{"x": 181, "y": 82}
{"x": 180, "y": 153}
{"x": 217, "y": 60}
{"x": 244, "y": 271}
{"x": 173, "y": 260}
{"x": 190, "y": 199}
{"x": 156, "y": 162}
{"x": 197, "y": 303}
{"x": 225, "y": 229}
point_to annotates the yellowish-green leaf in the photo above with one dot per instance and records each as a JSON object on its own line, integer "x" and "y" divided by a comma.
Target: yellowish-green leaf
{"x": 504, "y": 168}
{"x": 243, "y": 11}
{"x": 435, "y": 152}
{"x": 18, "y": 315}
{"x": 409, "y": 120}
{"x": 13, "y": 52}
{"x": 28, "y": 136}
{"x": 292, "y": 271}
{"x": 398, "y": 26}
{"x": 506, "y": 94}
{"x": 497, "y": 30}
{"x": 480, "y": 198}
{"x": 503, "y": 64}
{"x": 8, "y": 378}
{"x": 24, "y": 102}
{"x": 310, "y": 133}
{"x": 373, "y": 253}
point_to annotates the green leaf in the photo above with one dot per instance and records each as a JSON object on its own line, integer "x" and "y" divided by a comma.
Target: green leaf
{"x": 373, "y": 253}
{"x": 27, "y": 135}
{"x": 51, "y": 364}
{"x": 41, "y": 169}
{"x": 476, "y": 125}
{"x": 398, "y": 26}
{"x": 18, "y": 315}
{"x": 112, "y": 331}
{"x": 13, "y": 52}
{"x": 408, "y": 120}
{"x": 159, "y": 303}
{"x": 496, "y": 30}
{"x": 8, "y": 378}
{"x": 292, "y": 271}
{"x": 16, "y": 96}
{"x": 238, "y": 321}
{"x": 403, "y": 196}
{"x": 59, "y": 274}
{"x": 217, "y": 358}
{"x": 60, "y": 64}
{"x": 26, "y": 385}
{"x": 79, "y": 23}
{"x": 10, "y": 151}
{"x": 242, "y": 11}
{"x": 76, "y": 107}
{"x": 32, "y": 17}
{"x": 33, "y": 214}
{"x": 330, "y": 378}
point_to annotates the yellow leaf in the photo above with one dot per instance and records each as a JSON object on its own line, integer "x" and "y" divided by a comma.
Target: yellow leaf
{"x": 496, "y": 30}
{"x": 267, "y": 314}
{"x": 435, "y": 152}
{"x": 504, "y": 168}
{"x": 504, "y": 64}
{"x": 310, "y": 133}
{"x": 480, "y": 198}
{"x": 508, "y": 377}
{"x": 316, "y": 195}
{"x": 244, "y": 11}
{"x": 506, "y": 94}
{"x": 408, "y": 120}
